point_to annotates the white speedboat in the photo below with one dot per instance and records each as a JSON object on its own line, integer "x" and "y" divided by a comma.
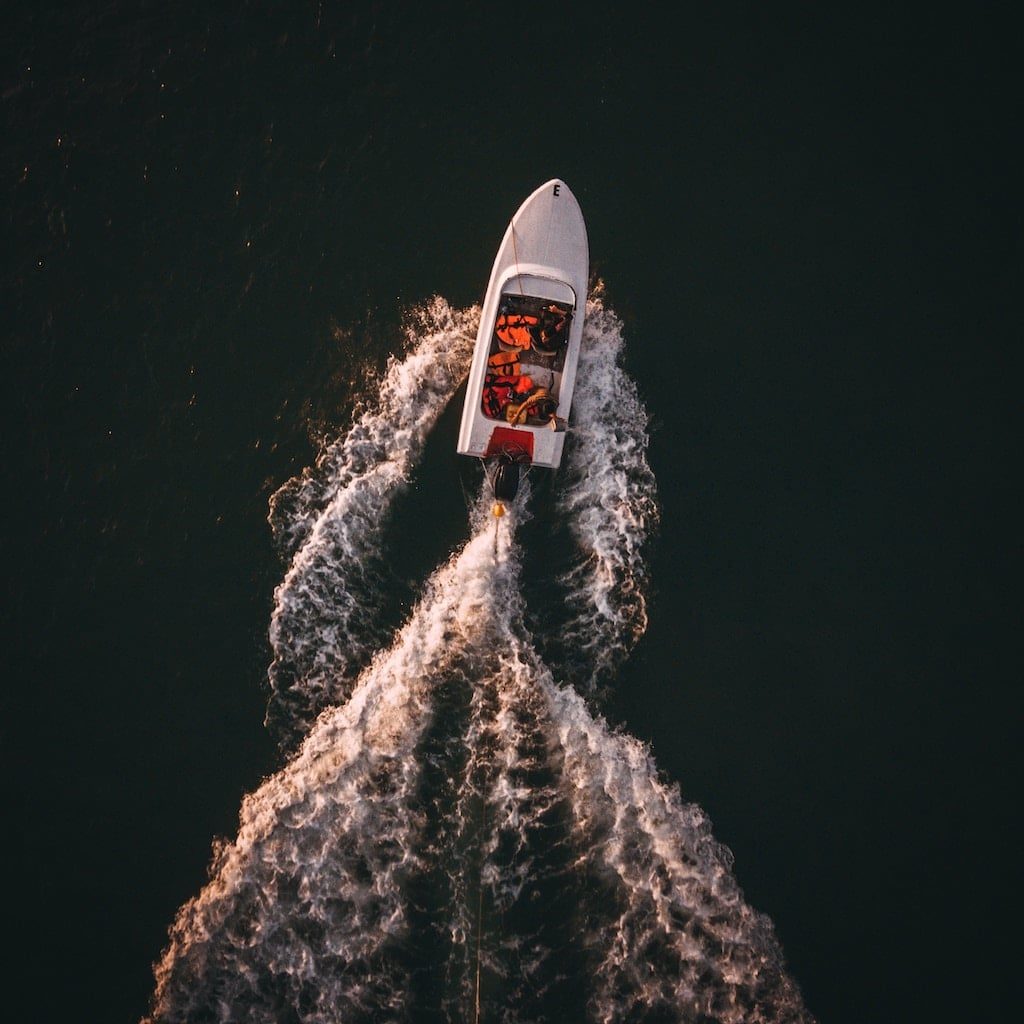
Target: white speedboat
{"x": 528, "y": 346}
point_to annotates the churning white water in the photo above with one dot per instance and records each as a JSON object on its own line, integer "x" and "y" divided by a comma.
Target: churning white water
{"x": 331, "y": 520}
{"x": 608, "y": 500}
{"x": 459, "y": 836}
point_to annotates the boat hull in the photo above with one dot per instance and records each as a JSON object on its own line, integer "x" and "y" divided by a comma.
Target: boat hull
{"x": 542, "y": 264}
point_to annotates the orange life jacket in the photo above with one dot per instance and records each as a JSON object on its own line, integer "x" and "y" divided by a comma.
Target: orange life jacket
{"x": 516, "y": 329}
{"x": 504, "y": 362}
{"x": 500, "y": 389}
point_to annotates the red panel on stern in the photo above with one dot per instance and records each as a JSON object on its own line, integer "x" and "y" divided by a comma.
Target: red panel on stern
{"x": 505, "y": 439}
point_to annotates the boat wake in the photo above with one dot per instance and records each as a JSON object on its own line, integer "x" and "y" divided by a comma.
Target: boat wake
{"x": 330, "y": 521}
{"x": 608, "y": 501}
{"x": 459, "y": 836}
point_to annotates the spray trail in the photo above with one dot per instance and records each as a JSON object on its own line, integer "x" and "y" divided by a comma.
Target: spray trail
{"x": 463, "y": 839}
{"x": 609, "y": 501}
{"x": 673, "y": 939}
{"x": 513, "y": 909}
{"x": 332, "y": 518}
{"x": 306, "y": 909}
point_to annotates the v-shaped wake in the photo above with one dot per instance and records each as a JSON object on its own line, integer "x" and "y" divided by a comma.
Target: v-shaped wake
{"x": 459, "y": 836}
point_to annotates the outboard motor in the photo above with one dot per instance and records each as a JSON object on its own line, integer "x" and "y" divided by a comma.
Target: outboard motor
{"x": 506, "y": 479}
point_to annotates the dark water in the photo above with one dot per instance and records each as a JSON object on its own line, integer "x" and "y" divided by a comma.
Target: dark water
{"x": 213, "y": 223}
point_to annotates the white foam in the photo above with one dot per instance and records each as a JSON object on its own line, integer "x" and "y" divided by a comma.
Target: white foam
{"x": 506, "y": 934}
{"x": 305, "y": 907}
{"x": 676, "y": 935}
{"x": 322, "y": 629}
{"x": 609, "y": 500}
{"x": 555, "y": 849}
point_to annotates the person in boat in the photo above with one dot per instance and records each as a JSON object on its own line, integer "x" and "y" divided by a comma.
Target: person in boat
{"x": 536, "y": 409}
{"x": 552, "y": 330}
{"x": 500, "y": 389}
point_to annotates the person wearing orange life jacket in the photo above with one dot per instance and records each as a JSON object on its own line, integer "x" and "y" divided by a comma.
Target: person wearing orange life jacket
{"x": 499, "y": 391}
{"x": 538, "y": 406}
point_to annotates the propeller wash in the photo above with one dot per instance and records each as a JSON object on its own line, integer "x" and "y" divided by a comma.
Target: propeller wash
{"x": 458, "y": 835}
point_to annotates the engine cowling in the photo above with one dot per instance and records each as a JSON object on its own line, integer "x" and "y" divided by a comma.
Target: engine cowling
{"x": 506, "y": 480}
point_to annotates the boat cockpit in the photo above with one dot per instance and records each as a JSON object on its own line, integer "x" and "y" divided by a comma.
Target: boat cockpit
{"x": 527, "y": 353}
